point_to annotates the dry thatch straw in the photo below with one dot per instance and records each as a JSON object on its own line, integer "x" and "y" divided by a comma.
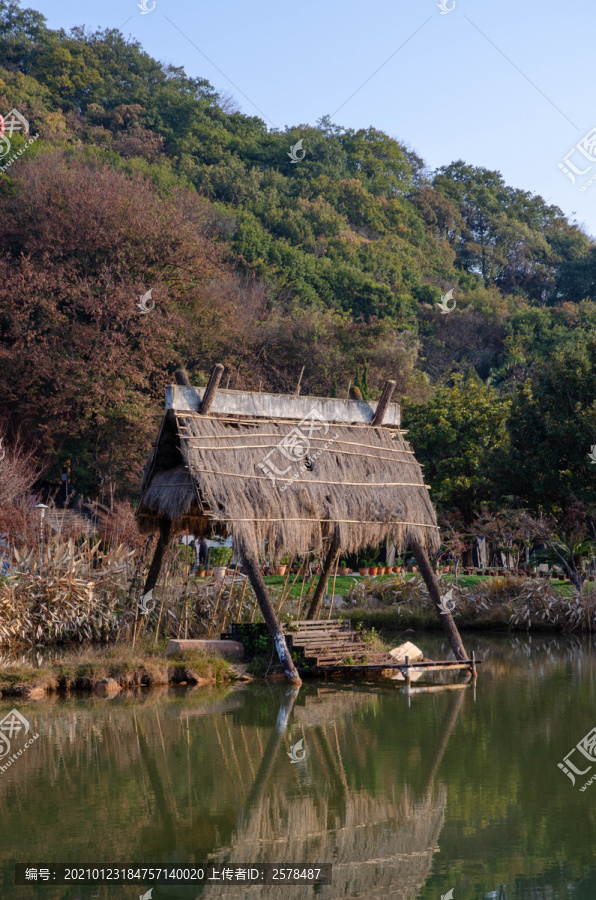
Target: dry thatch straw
{"x": 72, "y": 593}
{"x": 80, "y": 592}
{"x": 365, "y": 486}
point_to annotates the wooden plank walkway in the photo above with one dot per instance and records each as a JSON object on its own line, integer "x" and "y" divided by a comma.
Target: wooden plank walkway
{"x": 332, "y": 648}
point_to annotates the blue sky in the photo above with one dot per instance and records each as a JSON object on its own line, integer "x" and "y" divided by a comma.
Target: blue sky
{"x": 507, "y": 85}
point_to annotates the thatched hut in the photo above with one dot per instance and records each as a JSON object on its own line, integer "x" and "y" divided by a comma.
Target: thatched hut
{"x": 287, "y": 473}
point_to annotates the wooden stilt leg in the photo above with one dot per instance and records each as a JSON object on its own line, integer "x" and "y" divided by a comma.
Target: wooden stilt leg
{"x": 435, "y": 593}
{"x": 258, "y": 585}
{"x": 165, "y": 527}
{"x": 317, "y": 600}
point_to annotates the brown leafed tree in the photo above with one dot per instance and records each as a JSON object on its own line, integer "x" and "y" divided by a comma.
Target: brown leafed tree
{"x": 83, "y": 367}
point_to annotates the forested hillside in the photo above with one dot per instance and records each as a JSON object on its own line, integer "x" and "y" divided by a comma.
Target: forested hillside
{"x": 144, "y": 178}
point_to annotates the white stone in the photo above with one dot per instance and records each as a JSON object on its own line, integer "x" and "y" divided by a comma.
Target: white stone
{"x": 408, "y": 649}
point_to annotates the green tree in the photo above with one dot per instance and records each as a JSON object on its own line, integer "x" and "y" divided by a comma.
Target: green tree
{"x": 456, "y": 435}
{"x": 552, "y": 430}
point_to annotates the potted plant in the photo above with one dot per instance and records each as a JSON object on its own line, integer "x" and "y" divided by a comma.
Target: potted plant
{"x": 201, "y": 572}
{"x": 363, "y": 567}
{"x": 343, "y": 569}
{"x": 372, "y": 569}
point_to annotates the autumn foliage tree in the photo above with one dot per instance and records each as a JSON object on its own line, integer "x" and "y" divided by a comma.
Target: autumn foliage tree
{"x": 83, "y": 367}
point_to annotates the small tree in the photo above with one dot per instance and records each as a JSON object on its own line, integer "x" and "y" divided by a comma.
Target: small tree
{"x": 569, "y": 540}
{"x": 508, "y": 531}
{"x": 455, "y": 538}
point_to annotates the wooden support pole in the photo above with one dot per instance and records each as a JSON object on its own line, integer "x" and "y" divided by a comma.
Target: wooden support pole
{"x": 435, "y": 593}
{"x": 165, "y": 527}
{"x": 383, "y": 404}
{"x": 407, "y": 675}
{"x": 181, "y": 378}
{"x": 251, "y": 564}
{"x": 317, "y": 600}
{"x": 473, "y": 666}
{"x": 211, "y": 388}
{"x": 299, "y": 381}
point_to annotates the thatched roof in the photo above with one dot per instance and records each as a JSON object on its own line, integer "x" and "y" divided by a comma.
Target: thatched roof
{"x": 220, "y": 473}
{"x": 379, "y": 847}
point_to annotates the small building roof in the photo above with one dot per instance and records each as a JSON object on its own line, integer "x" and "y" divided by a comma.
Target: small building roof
{"x": 285, "y": 471}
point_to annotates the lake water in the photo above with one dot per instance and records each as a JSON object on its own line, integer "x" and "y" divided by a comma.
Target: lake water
{"x": 407, "y": 796}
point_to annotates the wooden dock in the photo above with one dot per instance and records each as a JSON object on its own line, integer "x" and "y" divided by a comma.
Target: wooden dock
{"x": 330, "y": 647}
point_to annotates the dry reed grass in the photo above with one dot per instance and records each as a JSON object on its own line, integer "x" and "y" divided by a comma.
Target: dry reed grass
{"x": 72, "y": 592}
{"x": 82, "y": 591}
{"x": 521, "y": 602}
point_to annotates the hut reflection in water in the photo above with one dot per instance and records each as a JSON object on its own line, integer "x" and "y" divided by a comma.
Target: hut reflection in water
{"x": 380, "y": 846}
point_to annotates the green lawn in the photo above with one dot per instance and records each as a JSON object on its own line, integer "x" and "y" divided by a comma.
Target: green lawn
{"x": 343, "y": 583}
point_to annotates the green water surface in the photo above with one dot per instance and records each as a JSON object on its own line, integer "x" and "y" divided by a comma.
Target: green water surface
{"x": 409, "y": 796}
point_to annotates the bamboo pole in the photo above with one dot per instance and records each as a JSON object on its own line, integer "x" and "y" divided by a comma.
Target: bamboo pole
{"x": 223, "y": 624}
{"x": 283, "y": 590}
{"x": 293, "y": 584}
{"x": 223, "y": 581}
{"x": 305, "y": 564}
{"x": 332, "y": 590}
{"x": 239, "y": 610}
